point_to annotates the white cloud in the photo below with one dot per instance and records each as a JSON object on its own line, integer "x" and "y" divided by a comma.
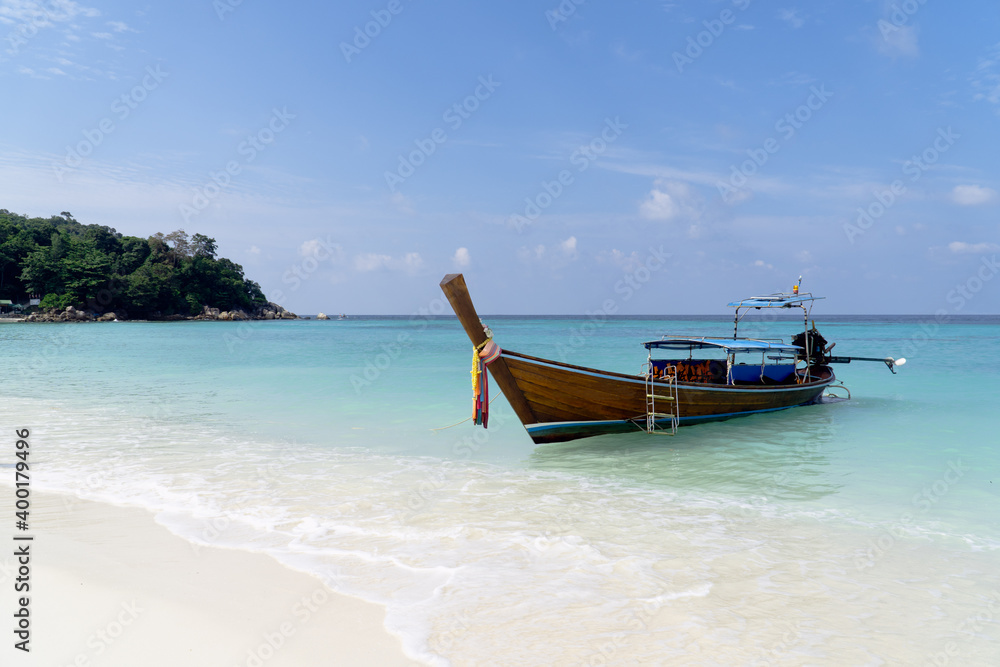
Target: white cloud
{"x": 896, "y": 40}
{"x": 568, "y": 247}
{"x": 986, "y": 79}
{"x": 963, "y": 248}
{"x": 371, "y": 261}
{"x": 971, "y": 195}
{"x": 43, "y": 14}
{"x": 461, "y": 258}
{"x": 412, "y": 262}
{"x": 620, "y": 259}
{"x": 309, "y": 248}
{"x": 762, "y": 264}
{"x": 659, "y": 205}
{"x": 792, "y": 18}
{"x": 526, "y": 254}
{"x": 322, "y": 250}
{"x": 254, "y": 250}
{"x": 623, "y": 53}
{"x": 669, "y": 200}
{"x": 558, "y": 255}
{"x": 795, "y": 78}
{"x": 71, "y": 20}
{"x": 402, "y": 203}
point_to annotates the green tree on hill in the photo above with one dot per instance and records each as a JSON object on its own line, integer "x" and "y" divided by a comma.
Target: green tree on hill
{"x": 96, "y": 268}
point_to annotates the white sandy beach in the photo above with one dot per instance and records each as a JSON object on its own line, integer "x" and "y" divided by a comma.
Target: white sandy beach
{"x": 110, "y": 587}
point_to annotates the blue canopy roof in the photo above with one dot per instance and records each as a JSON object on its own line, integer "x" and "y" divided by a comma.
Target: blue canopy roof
{"x": 728, "y": 344}
{"x": 779, "y": 300}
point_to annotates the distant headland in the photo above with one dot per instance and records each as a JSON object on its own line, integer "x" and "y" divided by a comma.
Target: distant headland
{"x": 59, "y": 270}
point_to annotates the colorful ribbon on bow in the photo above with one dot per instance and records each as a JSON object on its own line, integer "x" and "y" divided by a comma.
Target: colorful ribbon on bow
{"x": 482, "y": 356}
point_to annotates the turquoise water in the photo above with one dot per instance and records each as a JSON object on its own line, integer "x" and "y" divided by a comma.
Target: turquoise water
{"x": 859, "y": 532}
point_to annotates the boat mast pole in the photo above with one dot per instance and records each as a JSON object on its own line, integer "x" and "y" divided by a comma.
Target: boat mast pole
{"x": 453, "y": 286}
{"x": 807, "y": 339}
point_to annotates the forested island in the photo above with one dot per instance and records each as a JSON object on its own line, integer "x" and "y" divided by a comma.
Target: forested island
{"x": 64, "y": 267}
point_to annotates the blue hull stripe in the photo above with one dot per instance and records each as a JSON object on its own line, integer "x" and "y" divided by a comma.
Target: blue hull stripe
{"x": 628, "y": 424}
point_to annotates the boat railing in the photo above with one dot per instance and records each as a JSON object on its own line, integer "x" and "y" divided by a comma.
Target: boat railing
{"x": 671, "y": 337}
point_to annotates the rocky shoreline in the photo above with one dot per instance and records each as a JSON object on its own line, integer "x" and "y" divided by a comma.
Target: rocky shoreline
{"x": 268, "y": 311}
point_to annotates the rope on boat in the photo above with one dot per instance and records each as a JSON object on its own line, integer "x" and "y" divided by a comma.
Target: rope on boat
{"x": 443, "y": 428}
{"x": 483, "y": 355}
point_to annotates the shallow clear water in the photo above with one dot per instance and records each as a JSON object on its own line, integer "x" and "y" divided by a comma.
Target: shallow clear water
{"x": 861, "y": 532}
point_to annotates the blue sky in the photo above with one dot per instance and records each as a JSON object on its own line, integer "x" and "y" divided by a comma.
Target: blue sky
{"x": 644, "y": 157}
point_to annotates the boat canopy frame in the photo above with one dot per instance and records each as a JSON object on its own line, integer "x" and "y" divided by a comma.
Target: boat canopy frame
{"x": 730, "y": 345}
{"x": 796, "y": 299}
{"x": 779, "y": 351}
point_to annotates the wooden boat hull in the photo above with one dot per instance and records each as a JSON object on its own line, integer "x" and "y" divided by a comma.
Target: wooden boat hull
{"x": 569, "y": 402}
{"x": 556, "y": 401}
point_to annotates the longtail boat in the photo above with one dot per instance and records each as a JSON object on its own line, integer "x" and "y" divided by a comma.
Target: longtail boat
{"x": 729, "y": 377}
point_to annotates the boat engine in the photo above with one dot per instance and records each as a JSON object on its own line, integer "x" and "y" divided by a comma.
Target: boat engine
{"x": 818, "y": 351}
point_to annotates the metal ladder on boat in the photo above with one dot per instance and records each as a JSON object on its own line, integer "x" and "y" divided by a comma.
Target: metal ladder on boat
{"x": 664, "y": 390}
